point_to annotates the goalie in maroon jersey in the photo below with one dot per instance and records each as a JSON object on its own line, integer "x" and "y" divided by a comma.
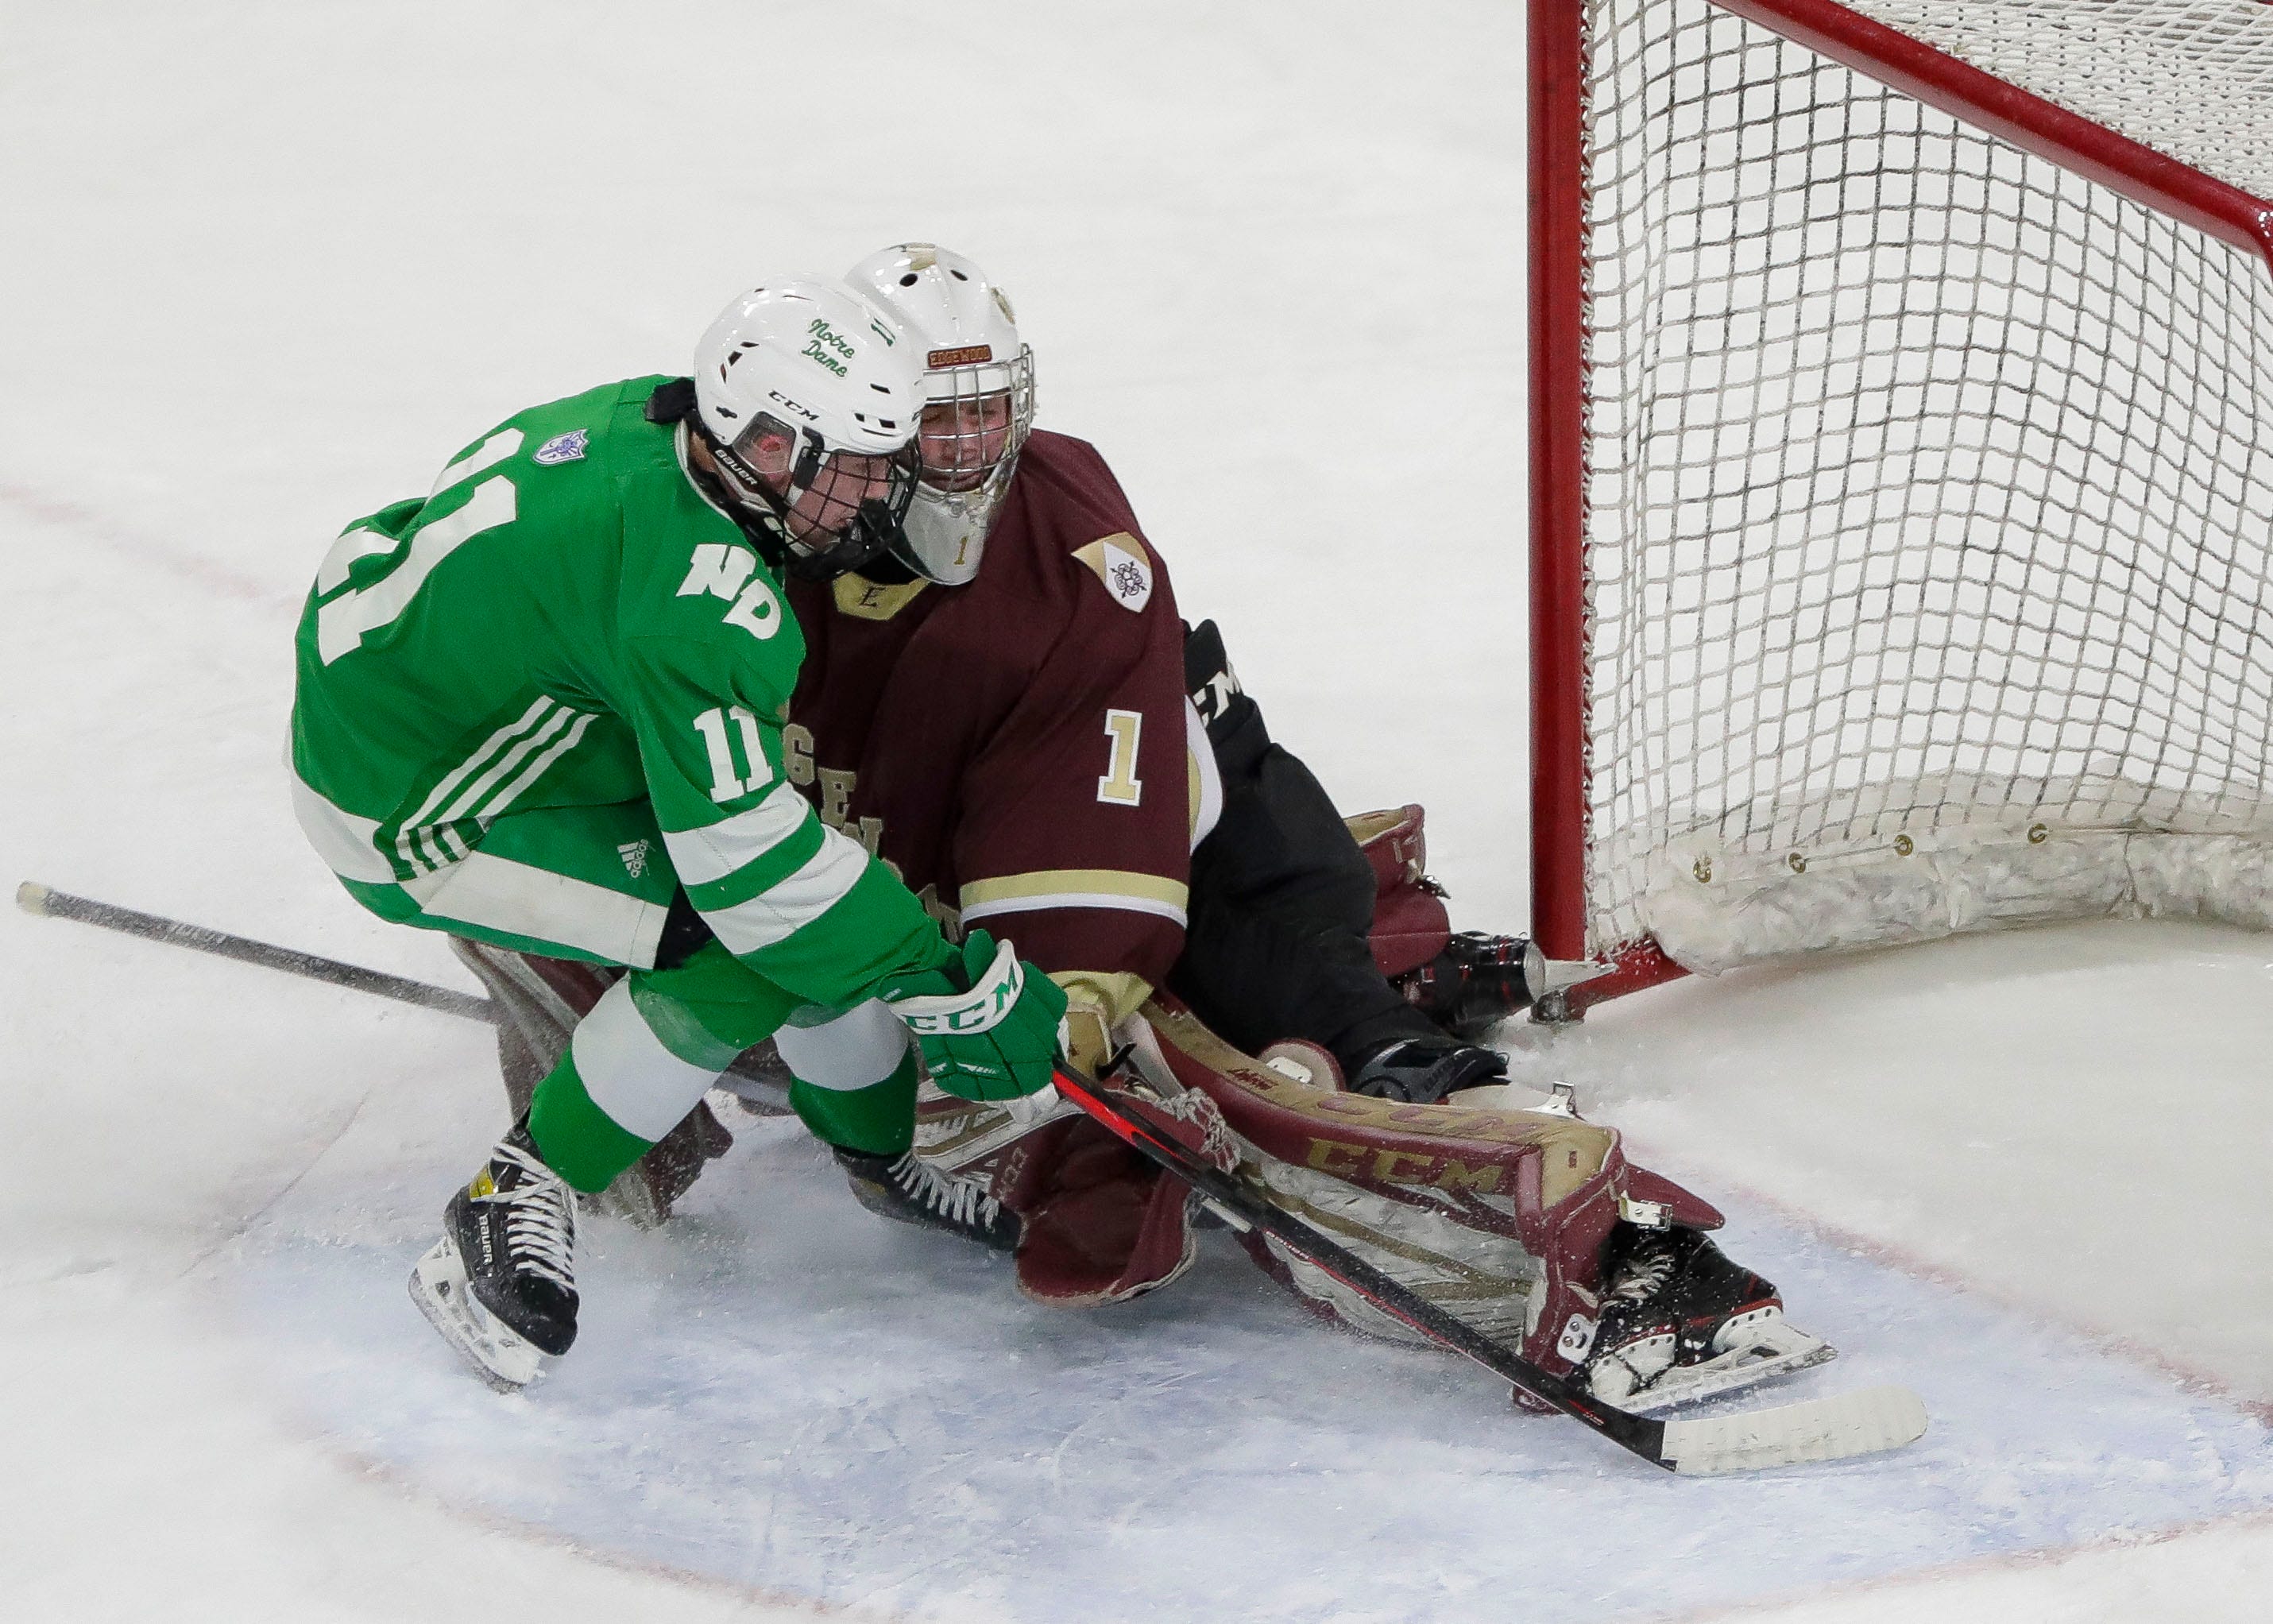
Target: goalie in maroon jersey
{"x": 1004, "y": 706}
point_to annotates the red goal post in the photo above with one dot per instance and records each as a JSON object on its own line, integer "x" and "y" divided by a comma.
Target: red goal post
{"x": 1901, "y": 458}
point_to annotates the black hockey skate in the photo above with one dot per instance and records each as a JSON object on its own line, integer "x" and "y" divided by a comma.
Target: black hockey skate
{"x": 1682, "y": 1322}
{"x": 1475, "y": 983}
{"x": 500, "y": 1285}
{"x": 1422, "y": 1071}
{"x": 908, "y": 1189}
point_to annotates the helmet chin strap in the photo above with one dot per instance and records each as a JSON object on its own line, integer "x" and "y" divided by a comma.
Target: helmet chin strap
{"x": 763, "y": 513}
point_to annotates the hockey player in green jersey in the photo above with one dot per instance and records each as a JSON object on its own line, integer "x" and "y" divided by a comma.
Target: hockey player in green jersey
{"x": 541, "y": 706}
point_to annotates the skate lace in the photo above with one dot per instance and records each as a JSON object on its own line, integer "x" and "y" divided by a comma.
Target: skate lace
{"x": 959, "y": 1200}
{"x": 540, "y": 1223}
{"x": 1643, "y": 1275}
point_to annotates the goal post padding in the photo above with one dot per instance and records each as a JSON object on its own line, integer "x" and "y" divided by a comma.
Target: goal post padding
{"x": 1902, "y": 466}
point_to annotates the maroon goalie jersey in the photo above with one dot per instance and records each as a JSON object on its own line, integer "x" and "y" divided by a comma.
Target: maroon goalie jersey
{"x": 1015, "y": 746}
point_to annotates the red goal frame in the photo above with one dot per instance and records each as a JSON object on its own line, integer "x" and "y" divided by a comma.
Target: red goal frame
{"x": 1559, "y": 816}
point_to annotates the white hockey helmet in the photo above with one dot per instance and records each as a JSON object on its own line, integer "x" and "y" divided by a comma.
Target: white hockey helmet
{"x": 808, "y": 396}
{"x": 978, "y": 399}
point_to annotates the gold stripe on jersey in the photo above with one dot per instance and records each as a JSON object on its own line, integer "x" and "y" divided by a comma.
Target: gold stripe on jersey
{"x": 1074, "y": 887}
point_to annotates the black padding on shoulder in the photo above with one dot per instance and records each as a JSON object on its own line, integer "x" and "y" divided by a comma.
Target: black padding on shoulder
{"x": 671, "y": 401}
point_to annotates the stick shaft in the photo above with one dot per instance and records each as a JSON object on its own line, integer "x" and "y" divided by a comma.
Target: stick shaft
{"x": 1642, "y": 1434}
{"x": 62, "y": 904}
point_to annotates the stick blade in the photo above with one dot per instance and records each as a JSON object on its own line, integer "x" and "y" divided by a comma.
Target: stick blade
{"x": 1824, "y": 1428}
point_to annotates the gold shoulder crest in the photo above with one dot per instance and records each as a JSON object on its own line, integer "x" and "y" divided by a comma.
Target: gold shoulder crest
{"x": 1122, "y": 563}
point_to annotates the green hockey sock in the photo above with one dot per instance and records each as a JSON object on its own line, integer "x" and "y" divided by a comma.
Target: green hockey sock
{"x": 880, "y": 1119}
{"x": 579, "y": 1140}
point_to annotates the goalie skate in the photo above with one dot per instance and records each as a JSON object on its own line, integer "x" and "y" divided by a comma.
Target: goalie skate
{"x": 1682, "y": 1322}
{"x": 1768, "y": 1349}
{"x": 499, "y": 1356}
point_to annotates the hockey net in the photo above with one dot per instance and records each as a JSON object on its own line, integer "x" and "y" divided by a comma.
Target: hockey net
{"x": 1904, "y": 470}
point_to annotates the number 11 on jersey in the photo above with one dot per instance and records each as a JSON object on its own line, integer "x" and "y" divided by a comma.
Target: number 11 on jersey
{"x": 727, "y": 781}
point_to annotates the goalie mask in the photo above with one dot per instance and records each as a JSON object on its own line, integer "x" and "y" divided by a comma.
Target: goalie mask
{"x": 978, "y": 399}
{"x": 807, "y": 397}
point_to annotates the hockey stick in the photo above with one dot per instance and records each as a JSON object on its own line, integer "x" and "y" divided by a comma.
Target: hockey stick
{"x": 1828, "y": 1429}
{"x": 765, "y": 1091}
{"x": 35, "y": 899}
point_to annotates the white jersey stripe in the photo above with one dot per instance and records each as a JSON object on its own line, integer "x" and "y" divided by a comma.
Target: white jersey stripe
{"x": 496, "y": 742}
{"x": 778, "y": 914}
{"x": 352, "y": 546}
{"x": 433, "y": 844}
{"x": 1207, "y": 808}
{"x": 415, "y": 839}
{"x": 640, "y": 1086}
{"x": 500, "y": 894}
{"x": 503, "y": 799}
{"x": 1073, "y": 899}
{"x": 716, "y": 850}
{"x": 342, "y": 624}
{"x": 476, "y": 797}
{"x": 858, "y": 1049}
{"x": 348, "y": 843}
{"x": 488, "y": 454}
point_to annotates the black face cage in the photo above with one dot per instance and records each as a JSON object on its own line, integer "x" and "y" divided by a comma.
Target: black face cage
{"x": 873, "y": 532}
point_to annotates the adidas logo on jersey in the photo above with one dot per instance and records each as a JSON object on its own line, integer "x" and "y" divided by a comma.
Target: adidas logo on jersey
{"x": 635, "y": 855}
{"x": 562, "y": 448}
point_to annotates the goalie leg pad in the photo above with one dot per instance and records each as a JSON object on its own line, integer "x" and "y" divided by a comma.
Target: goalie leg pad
{"x": 1502, "y": 1215}
{"x": 1099, "y": 1222}
{"x": 1410, "y": 923}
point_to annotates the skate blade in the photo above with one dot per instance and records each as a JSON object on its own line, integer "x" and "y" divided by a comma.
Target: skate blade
{"x": 1824, "y": 1428}
{"x": 1770, "y": 1350}
{"x": 507, "y": 1362}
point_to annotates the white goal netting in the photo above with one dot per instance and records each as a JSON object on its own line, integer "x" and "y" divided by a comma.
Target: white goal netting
{"x": 1930, "y": 531}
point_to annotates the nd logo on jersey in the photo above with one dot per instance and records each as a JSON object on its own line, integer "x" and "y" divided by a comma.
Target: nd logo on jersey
{"x": 721, "y": 570}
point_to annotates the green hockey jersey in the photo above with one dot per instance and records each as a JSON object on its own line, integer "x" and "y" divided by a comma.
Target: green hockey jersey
{"x": 502, "y": 683}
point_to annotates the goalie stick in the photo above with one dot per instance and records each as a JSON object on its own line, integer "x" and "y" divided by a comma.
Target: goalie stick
{"x": 1828, "y": 1429}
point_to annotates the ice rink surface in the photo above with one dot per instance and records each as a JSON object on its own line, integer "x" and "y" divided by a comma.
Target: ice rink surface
{"x": 269, "y": 265}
